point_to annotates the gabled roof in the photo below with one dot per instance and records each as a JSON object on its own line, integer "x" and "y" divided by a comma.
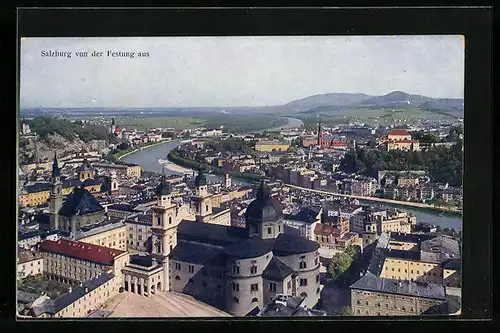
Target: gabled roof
{"x": 276, "y": 270}
{"x": 80, "y": 202}
{"x": 82, "y": 251}
{"x": 307, "y": 215}
{"x": 38, "y": 187}
{"x": 90, "y": 182}
{"x": 370, "y": 282}
{"x": 78, "y": 292}
{"x": 196, "y": 253}
{"x": 210, "y": 233}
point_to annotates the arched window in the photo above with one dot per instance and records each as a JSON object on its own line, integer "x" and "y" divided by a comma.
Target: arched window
{"x": 177, "y": 277}
{"x": 255, "y": 300}
{"x": 303, "y": 294}
{"x": 170, "y": 220}
{"x": 236, "y": 300}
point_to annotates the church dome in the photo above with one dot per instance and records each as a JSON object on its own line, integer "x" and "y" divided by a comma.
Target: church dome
{"x": 200, "y": 179}
{"x": 86, "y": 166}
{"x": 264, "y": 208}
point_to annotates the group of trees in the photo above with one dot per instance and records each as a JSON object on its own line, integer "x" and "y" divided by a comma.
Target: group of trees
{"x": 231, "y": 144}
{"x": 442, "y": 164}
{"x": 243, "y": 123}
{"x": 176, "y": 157}
{"x": 86, "y": 132}
{"x": 344, "y": 266}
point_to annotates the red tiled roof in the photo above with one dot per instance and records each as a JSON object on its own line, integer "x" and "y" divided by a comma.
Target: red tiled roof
{"x": 403, "y": 141}
{"x": 80, "y": 250}
{"x": 398, "y": 132}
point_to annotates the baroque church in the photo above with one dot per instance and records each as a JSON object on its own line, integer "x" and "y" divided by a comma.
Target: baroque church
{"x": 235, "y": 269}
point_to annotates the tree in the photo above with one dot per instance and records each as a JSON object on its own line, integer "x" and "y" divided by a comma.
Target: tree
{"x": 339, "y": 264}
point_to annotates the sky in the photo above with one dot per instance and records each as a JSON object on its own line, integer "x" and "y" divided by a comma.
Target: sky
{"x": 235, "y": 71}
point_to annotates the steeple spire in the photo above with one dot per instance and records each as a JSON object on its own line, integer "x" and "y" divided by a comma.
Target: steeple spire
{"x": 319, "y": 133}
{"x": 56, "y": 171}
{"x": 263, "y": 191}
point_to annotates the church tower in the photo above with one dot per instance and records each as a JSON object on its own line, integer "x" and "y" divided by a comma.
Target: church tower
{"x": 227, "y": 181}
{"x": 164, "y": 228}
{"x": 86, "y": 170}
{"x": 264, "y": 217}
{"x": 202, "y": 200}
{"x": 113, "y": 186}
{"x": 319, "y": 134}
{"x": 55, "y": 198}
{"x": 113, "y": 126}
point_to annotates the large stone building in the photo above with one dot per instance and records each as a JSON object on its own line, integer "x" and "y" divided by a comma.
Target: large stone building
{"x": 374, "y": 296}
{"x": 399, "y": 140}
{"x": 241, "y": 269}
{"x": 75, "y": 262}
{"x": 271, "y": 146}
{"x": 408, "y": 275}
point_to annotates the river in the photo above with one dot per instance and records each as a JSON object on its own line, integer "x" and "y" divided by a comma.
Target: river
{"x": 148, "y": 160}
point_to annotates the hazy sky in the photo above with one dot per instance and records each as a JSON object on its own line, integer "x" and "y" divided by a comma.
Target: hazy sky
{"x": 236, "y": 71}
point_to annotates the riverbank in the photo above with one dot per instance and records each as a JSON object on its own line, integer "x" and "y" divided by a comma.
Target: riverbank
{"x": 142, "y": 147}
{"x": 419, "y": 205}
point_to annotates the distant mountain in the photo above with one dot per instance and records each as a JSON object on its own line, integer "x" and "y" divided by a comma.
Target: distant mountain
{"x": 395, "y": 99}
{"x": 333, "y": 99}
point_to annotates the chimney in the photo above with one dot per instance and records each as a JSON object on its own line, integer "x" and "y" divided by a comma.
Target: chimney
{"x": 86, "y": 289}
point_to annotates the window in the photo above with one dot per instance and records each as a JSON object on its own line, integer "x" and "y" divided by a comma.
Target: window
{"x": 177, "y": 266}
{"x": 418, "y": 272}
{"x": 170, "y": 220}
{"x": 177, "y": 277}
{"x": 253, "y": 270}
{"x": 255, "y": 300}
{"x": 272, "y": 286}
{"x": 411, "y": 271}
{"x": 236, "y": 269}
{"x": 254, "y": 287}
{"x": 303, "y": 265}
{"x": 269, "y": 230}
{"x": 303, "y": 282}
{"x": 358, "y": 302}
{"x": 236, "y": 287}
{"x": 191, "y": 269}
{"x": 289, "y": 285}
{"x": 316, "y": 261}
{"x": 393, "y": 269}
{"x": 366, "y": 302}
{"x": 236, "y": 300}
{"x": 279, "y": 227}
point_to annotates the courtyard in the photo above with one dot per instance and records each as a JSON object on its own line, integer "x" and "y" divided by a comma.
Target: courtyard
{"x": 163, "y": 304}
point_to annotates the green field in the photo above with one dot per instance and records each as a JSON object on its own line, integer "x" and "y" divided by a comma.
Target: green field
{"x": 231, "y": 123}
{"x": 382, "y": 117}
{"x": 144, "y": 123}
